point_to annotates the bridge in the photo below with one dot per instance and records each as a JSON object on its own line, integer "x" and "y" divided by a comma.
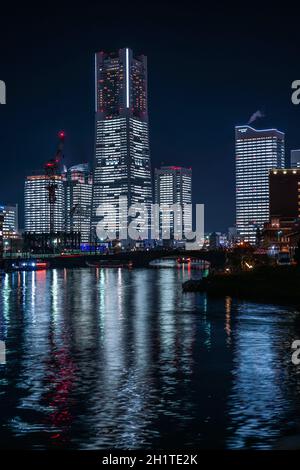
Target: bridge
{"x": 137, "y": 258}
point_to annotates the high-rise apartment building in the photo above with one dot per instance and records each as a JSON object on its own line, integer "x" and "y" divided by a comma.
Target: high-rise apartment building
{"x": 257, "y": 152}
{"x": 10, "y": 220}
{"x": 78, "y": 200}
{"x": 37, "y": 207}
{"x": 122, "y": 154}
{"x": 173, "y": 185}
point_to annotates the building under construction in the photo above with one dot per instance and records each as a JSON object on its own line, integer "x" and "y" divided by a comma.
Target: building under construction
{"x": 45, "y": 209}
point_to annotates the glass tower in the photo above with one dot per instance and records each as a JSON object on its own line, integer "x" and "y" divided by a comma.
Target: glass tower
{"x": 122, "y": 156}
{"x": 78, "y": 199}
{"x": 257, "y": 152}
{"x": 37, "y": 208}
{"x": 173, "y": 185}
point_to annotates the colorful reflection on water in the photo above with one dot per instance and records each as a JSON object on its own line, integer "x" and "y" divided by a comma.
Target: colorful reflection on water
{"x": 103, "y": 358}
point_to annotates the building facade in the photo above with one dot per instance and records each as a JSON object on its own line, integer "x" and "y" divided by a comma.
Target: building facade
{"x": 37, "y": 208}
{"x": 173, "y": 185}
{"x": 285, "y": 193}
{"x": 122, "y": 154}
{"x": 295, "y": 158}
{"x": 257, "y": 152}
{"x": 78, "y": 200}
{"x": 1, "y": 232}
{"x": 10, "y": 220}
{"x": 282, "y": 232}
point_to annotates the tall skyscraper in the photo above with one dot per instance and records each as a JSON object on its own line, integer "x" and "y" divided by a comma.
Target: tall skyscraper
{"x": 295, "y": 158}
{"x": 173, "y": 184}
{"x": 37, "y": 209}
{"x": 78, "y": 200}
{"x": 257, "y": 152}
{"x": 122, "y": 156}
{"x": 10, "y": 220}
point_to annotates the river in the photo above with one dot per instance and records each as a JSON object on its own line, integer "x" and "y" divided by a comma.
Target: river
{"x": 116, "y": 358}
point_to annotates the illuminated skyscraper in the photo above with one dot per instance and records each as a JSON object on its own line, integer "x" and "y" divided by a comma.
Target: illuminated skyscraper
{"x": 10, "y": 220}
{"x": 37, "y": 208}
{"x": 122, "y": 156}
{"x": 173, "y": 185}
{"x": 257, "y": 152}
{"x": 78, "y": 198}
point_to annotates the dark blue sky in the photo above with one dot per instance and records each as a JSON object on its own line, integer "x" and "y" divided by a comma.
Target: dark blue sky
{"x": 208, "y": 71}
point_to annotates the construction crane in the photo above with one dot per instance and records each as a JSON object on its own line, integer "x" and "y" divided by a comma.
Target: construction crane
{"x": 51, "y": 172}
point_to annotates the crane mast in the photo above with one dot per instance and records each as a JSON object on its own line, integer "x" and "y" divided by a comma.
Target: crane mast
{"x": 51, "y": 173}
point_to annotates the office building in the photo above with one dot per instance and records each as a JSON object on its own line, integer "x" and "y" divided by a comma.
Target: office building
{"x": 214, "y": 240}
{"x": 295, "y": 158}
{"x": 10, "y": 220}
{"x": 232, "y": 236}
{"x": 173, "y": 184}
{"x": 282, "y": 230}
{"x": 122, "y": 156}
{"x": 257, "y": 152}
{"x": 78, "y": 200}
{"x": 285, "y": 193}
{"x": 37, "y": 207}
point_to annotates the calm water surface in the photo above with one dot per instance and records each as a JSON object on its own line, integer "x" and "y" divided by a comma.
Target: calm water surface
{"x": 117, "y": 358}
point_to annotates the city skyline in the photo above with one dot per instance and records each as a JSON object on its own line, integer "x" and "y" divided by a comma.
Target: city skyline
{"x": 122, "y": 164}
{"x": 109, "y": 112}
{"x": 149, "y": 232}
{"x": 189, "y": 105}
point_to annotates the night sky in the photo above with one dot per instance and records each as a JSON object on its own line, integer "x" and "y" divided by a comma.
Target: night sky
{"x": 208, "y": 71}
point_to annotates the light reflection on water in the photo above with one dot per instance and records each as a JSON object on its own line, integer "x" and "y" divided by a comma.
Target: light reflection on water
{"x": 118, "y": 358}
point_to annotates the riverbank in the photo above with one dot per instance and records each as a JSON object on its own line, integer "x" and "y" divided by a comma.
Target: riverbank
{"x": 279, "y": 284}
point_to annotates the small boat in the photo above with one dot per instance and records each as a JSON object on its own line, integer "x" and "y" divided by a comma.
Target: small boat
{"x": 193, "y": 263}
{"x": 27, "y": 265}
{"x": 183, "y": 260}
{"x": 109, "y": 264}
